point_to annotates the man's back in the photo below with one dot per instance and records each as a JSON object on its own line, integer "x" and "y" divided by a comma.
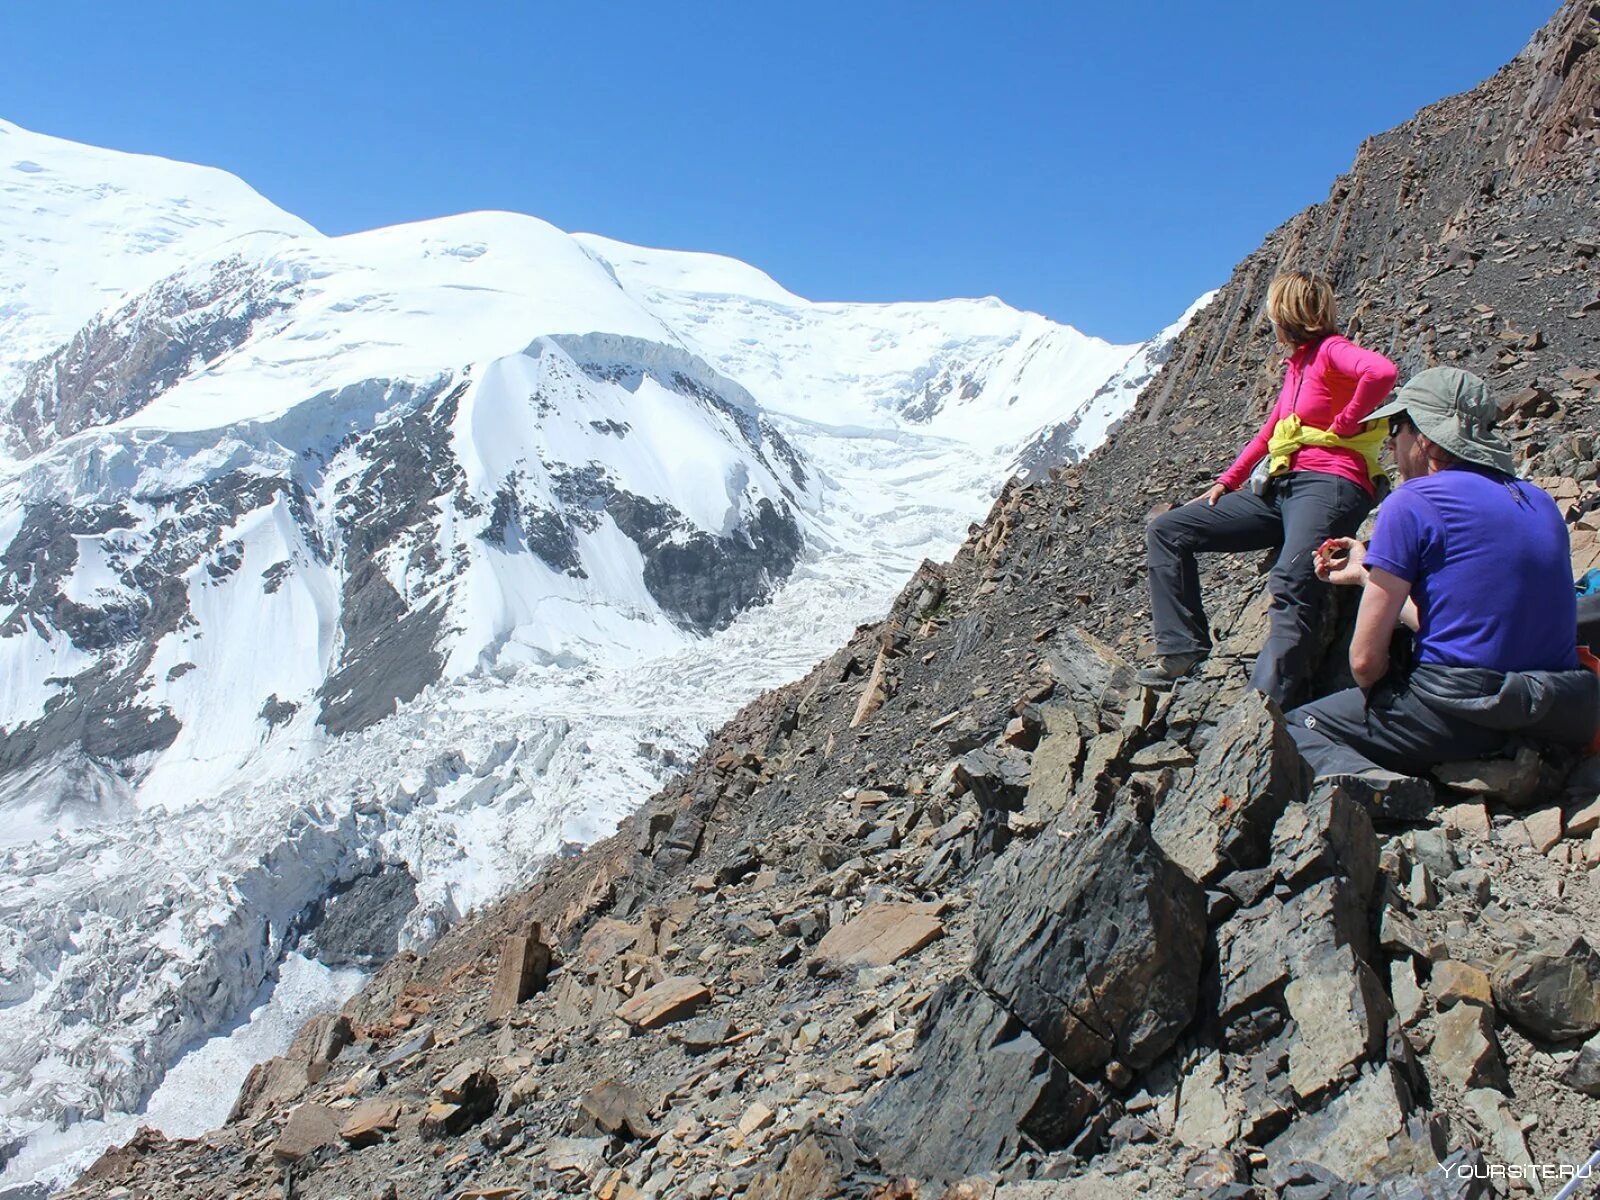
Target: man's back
{"x": 1489, "y": 564}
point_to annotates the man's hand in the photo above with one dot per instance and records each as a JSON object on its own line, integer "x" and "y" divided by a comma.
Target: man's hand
{"x": 1341, "y": 561}
{"x": 1210, "y": 496}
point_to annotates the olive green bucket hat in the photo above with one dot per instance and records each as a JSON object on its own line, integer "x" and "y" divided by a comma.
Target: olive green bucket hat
{"x": 1454, "y": 410}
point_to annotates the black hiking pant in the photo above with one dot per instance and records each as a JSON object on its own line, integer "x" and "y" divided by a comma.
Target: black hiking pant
{"x": 1298, "y": 512}
{"x": 1392, "y": 728}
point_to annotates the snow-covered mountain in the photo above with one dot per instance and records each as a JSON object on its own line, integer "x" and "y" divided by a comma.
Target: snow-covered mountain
{"x": 360, "y": 573}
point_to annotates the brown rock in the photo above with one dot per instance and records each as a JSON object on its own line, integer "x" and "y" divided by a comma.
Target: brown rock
{"x": 674, "y": 998}
{"x": 1465, "y": 1049}
{"x": 272, "y": 1084}
{"x": 1509, "y": 781}
{"x": 606, "y": 939}
{"x": 1585, "y": 820}
{"x": 1544, "y": 828}
{"x": 524, "y": 968}
{"x": 1341, "y": 1011}
{"x": 1467, "y": 817}
{"x": 1458, "y": 982}
{"x": 309, "y": 1127}
{"x": 879, "y": 935}
{"x": 617, "y": 1108}
{"x": 370, "y": 1120}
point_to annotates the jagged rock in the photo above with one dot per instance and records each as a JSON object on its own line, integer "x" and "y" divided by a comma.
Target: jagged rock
{"x": 1551, "y": 993}
{"x": 978, "y": 1088}
{"x": 1260, "y": 949}
{"x": 1361, "y": 1134}
{"x": 879, "y": 935}
{"x": 321, "y": 1039}
{"x": 418, "y": 1042}
{"x": 1584, "y": 819}
{"x": 524, "y": 967}
{"x": 1455, "y": 982}
{"x": 1206, "y": 1116}
{"x": 1500, "y": 1122}
{"x": 309, "y": 1128}
{"x": 1467, "y": 817}
{"x": 270, "y": 1085}
{"x": 1053, "y": 772}
{"x": 370, "y": 1120}
{"x": 1583, "y": 1072}
{"x": 705, "y": 1033}
{"x": 1094, "y": 942}
{"x": 1408, "y": 998}
{"x": 1247, "y": 774}
{"x": 812, "y": 1170}
{"x": 1466, "y": 1050}
{"x": 1327, "y": 836}
{"x": 466, "y": 1095}
{"x": 1542, "y": 827}
{"x": 581, "y": 1156}
{"x": 618, "y": 1109}
{"x": 672, "y": 999}
{"x": 1509, "y": 781}
{"x": 1341, "y": 1010}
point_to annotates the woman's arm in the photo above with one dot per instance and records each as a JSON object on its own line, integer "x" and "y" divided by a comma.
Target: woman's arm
{"x": 1375, "y": 377}
{"x": 1234, "y": 477}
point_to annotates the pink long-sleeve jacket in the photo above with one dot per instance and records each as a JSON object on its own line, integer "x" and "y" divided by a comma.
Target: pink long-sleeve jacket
{"x": 1332, "y": 384}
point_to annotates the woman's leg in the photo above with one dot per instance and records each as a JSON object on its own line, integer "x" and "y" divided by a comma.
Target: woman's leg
{"x": 1238, "y": 521}
{"x": 1314, "y": 506}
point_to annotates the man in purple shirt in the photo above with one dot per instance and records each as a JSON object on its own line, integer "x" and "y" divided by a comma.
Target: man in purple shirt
{"x": 1478, "y": 564}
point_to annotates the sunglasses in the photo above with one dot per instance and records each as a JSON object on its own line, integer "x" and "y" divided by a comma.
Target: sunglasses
{"x": 1399, "y": 423}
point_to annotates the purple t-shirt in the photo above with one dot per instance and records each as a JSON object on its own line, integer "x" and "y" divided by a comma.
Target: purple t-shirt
{"x": 1490, "y": 568}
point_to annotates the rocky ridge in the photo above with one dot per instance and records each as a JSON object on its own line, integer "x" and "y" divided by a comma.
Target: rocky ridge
{"x": 965, "y": 913}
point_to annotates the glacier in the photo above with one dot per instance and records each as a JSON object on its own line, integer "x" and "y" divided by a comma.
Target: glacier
{"x": 432, "y": 549}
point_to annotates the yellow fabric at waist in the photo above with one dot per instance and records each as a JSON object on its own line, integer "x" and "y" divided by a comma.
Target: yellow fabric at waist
{"x": 1291, "y": 434}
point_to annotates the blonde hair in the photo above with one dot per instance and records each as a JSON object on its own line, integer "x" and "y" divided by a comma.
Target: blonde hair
{"x": 1302, "y": 306}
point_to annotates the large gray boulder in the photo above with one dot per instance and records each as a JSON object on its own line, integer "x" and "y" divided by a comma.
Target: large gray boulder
{"x": 1248, "y": 773}
{"x": 1551, "y": 993}
{"x": 1094, "y": 941}
{"x": 978, "y": 1089}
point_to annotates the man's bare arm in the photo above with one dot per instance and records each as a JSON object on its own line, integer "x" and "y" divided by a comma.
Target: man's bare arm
{"x": 1383, "y": 598}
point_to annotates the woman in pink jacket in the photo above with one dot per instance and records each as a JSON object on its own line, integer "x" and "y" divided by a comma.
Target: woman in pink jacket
{"x": 1331, "y": 385}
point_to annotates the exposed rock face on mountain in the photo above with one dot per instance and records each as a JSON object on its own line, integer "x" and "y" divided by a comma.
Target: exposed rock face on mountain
{"x": 966, "y": 857}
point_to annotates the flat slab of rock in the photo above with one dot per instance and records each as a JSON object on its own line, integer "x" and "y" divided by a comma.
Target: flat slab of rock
{"x": 674, "y": 998}
{"x": 1095, "y": 943}
{"x": 1247, "y": 774}
{"x": 978, "y": 1086}
{"x": 309, "y": 1127}
{"x": 370, "y": 1120}
{"x": 1361, "y": 1134}
{"x": 523, "y": 970}
{"x": 879, "y": 935}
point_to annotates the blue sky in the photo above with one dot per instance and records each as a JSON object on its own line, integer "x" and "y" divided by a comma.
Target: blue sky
{"x": 1100, "y": 163}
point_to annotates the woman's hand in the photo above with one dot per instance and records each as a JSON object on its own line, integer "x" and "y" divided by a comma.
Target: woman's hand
{"x": 1210, "y": 496}
{"x": 1340, "y": 561}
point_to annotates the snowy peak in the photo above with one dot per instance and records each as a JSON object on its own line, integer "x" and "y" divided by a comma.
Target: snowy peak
{"x": 83, "y": 227}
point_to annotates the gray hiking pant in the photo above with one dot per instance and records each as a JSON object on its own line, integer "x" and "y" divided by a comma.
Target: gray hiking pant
{"x": 1349, "y": 732}
{"x": 1299, "y": 511}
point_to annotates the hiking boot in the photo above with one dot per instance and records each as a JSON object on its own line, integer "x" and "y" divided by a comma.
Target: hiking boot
{"x": 1387, "y": 795}
{"x": 1168, "y": 669}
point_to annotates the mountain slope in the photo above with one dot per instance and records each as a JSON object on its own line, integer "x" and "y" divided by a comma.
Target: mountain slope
{"x": 373, "y": 570}
{"x": 84, "y": 227}
{"x": 851, "y": 843}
